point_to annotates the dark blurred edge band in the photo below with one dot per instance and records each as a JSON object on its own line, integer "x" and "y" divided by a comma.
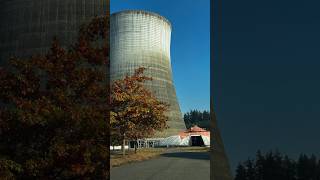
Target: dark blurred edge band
{"x": 219, "y": 163}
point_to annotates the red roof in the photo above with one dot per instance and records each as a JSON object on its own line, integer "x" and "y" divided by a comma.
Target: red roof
{"x": 196, "y": 129}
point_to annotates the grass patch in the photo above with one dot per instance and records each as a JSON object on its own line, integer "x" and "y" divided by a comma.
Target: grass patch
{"x": 116, "y": 158}
{"x": 193, "y": 149}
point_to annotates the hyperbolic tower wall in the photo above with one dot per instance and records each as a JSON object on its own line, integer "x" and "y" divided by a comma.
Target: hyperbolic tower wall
{"x": 219, "y": 163}
{"x": 28, "y": 26}
{"x": 140, "y": 38}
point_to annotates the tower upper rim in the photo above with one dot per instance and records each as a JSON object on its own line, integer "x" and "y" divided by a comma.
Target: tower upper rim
{"x": 143, "y": 12}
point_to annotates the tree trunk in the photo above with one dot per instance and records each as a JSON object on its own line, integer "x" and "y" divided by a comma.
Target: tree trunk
{"x": 135, "y": 146}
{"x": 123, "y": 146}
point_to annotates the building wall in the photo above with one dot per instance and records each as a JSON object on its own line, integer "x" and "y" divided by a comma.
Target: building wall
{"x": 139, "y": 38}
{"x": 204, "y": 133}
{"x": 28, "y": 26}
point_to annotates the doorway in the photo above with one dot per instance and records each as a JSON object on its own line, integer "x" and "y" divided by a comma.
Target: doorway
{"x": 197, "y": 141}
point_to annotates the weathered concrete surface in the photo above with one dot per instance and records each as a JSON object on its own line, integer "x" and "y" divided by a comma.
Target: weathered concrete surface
{"x": 29, "y": 26}
{"x": 142, "y": 39}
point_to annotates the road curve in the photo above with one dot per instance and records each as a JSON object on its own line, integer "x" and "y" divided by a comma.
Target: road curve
{"x": 169, "y": 166}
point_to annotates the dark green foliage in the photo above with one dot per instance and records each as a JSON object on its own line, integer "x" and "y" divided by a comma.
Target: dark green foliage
{"x": 306, "y": 167}
{"x": 241, "y": 172}
{"x": 276, "y": 166}
{"x": 196, "y": 117}
{"x": 250, "y": 170}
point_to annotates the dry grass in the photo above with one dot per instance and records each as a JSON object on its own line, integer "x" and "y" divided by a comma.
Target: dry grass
{"x": 193, "y": 149}
{"x": 117, "y": 159}
{"x": 142, "y": 154}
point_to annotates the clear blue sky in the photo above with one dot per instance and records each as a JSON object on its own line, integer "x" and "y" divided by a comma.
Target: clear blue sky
{"x": 190, "y": 45}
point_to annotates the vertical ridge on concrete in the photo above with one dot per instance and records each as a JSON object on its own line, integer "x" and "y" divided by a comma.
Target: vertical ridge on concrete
{"x": 142, "y": 39}
{"x": 28, "y": 26}
{"x": 219, "y": 164}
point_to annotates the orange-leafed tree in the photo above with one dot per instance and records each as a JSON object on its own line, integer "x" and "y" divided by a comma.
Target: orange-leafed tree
{"x": 54, "y": 110}
{"x": 135, "y": 112}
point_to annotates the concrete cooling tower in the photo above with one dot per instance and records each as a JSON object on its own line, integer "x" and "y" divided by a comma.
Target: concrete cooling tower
{"x": 28, "y": 26}
{"x": 140, "y": 38}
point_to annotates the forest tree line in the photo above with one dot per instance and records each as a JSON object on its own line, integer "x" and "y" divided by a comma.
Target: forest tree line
{"x": 276, "y": 166}
{"x": 196, "y": 117}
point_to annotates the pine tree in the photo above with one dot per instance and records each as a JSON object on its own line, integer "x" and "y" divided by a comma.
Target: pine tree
{"x": 241, "y": 173}
{"x": 251, "y": 173}
{"x": 259, "y": 167}
{"x": 289, "y": 167}
{"x": 302, "y": 167}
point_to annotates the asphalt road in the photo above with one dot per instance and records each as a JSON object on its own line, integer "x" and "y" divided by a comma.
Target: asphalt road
{"x": 169, "y": 166}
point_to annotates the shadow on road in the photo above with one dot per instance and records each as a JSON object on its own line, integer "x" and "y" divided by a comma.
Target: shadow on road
{"x": 188, "y": 155}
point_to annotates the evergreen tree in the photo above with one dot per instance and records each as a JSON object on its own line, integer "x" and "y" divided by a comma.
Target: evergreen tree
{"x": 241, "y": 173}
{"x": 312, "y": 167}
{"x": 289, "y": 167}
{"x": 278, "y": 168}
{"x": 318, "y": 170}
{"x": 302, "y": 167}
{"x": 260, "y": 160}
{"x": 251, "y": 173}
